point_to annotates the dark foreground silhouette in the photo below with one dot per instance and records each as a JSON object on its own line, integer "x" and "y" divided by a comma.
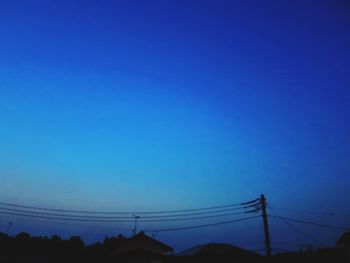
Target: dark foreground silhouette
{"x": 142, "y": 248}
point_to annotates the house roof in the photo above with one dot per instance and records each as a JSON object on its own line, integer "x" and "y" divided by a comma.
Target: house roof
{"x": 143, "y": 242}
{"x": 217, "y": 249}
{"x": 344, "y": 239}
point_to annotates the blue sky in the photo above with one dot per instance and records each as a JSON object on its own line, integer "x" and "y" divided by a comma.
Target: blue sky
{"x": 149, "y": 105}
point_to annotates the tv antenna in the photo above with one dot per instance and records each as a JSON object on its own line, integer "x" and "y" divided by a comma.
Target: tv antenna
{"x": 10, "y": 224}
{"x": 135, "y": 228}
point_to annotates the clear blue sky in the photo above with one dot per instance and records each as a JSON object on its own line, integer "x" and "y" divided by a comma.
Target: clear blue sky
{"x": 150, "y": 105}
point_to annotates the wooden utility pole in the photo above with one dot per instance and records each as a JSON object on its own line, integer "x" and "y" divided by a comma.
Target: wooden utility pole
{"x": 266, "y": 225}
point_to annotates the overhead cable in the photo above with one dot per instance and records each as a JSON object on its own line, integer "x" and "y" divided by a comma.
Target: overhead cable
{"x": 311, "y": 223}
{"x": 201, "y": 226}
{"x": 108, "y": 220}
{"x": 120, "y": 212}
{"x": 26, "y": 211}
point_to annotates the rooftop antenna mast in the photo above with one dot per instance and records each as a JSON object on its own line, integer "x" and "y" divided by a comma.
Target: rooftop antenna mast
{"x": 135, "y": 228}
{"x": 10, "y": 224}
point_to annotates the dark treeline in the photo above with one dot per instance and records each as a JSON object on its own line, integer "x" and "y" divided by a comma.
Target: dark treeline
{"x": 25, "y": 248}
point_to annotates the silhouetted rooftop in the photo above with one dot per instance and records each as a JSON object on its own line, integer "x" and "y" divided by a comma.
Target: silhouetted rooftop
{"x": 145, "y": 243}
{"x": 217, "y": 249}
{"x": 344, "y": 239}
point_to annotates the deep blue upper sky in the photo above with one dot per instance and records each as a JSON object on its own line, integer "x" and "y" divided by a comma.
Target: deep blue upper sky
{"x": 150, "y": 105}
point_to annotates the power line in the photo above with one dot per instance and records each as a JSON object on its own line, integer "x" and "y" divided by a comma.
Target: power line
{"x": 191, "y": 218}
{"x": 251, "y": 202}
{"x": 201, "y": 226}
{"x": 65, "y": 218}
{"x": 116, "y": 217}
{"x": 31, "y": 212}
{"x": 120, "y": 212}
{"x": 106, "y": 220}
{"x": 75, "y": 225}
{"x": 311, "y": 211}
{"x": 295, "y": 228}
{"x": 312, "y": 223}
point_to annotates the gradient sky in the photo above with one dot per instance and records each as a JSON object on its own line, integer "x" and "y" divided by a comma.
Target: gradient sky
{"x": 151, "y": 105}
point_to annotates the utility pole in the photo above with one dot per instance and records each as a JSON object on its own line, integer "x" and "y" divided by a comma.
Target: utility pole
{"x": 135, "y": 229}
{"x": 266, "y": 225}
